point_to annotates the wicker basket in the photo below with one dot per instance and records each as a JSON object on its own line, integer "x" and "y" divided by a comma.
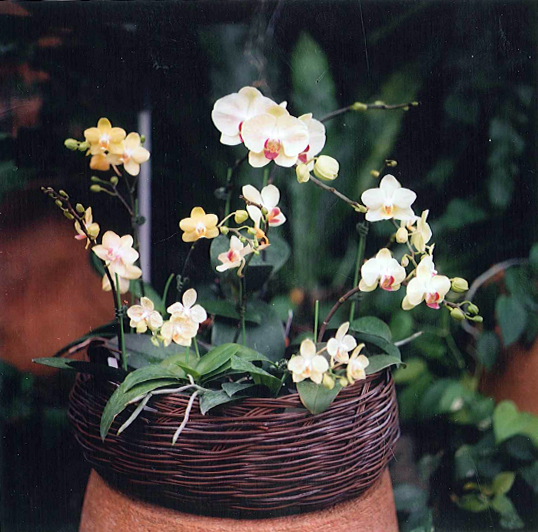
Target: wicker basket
{"x": 254, "y": 458}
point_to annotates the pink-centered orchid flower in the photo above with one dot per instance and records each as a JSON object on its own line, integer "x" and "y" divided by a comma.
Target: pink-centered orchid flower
{"x": 188, "y": 310}
{"x": 340, "y": 346}
{"x": 268, "y": 199}
{"x": 308, "y": 364}
{"x": 235, "y": 256}
{"x": 382, "y": 270}
{"x": 118, "y": 254}
{"x": 426, "y": 286}
{"x": 92, "y": 228}
{"x": 274, "y": 135}
{"x": 232, "y": 111}
{"x": 389, "y": 201}
{"x": 316, "y": 142}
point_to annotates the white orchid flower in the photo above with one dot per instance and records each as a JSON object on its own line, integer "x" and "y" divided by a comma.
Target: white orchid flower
{"x": 308, "y": 364}
{"x": 389, "y": 201}
{"x": 232, "y": 111}
{"x": 383, "y": 270}
{"x": 274, "y": 135}
{"x": 267, "y": 199}
{"x": 426, "y": 286}
{"x": 340, "y": 346}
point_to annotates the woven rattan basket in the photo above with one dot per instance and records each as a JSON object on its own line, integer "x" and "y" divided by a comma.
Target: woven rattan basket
{"x": 254, "y": 458}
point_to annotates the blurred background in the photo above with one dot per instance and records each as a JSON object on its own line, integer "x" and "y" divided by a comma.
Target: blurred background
{"x": 468, "y": 150}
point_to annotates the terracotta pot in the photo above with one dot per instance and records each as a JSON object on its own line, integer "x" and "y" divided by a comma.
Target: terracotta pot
{"x": 514, "y": 377}
{"x": 108, "y": 509}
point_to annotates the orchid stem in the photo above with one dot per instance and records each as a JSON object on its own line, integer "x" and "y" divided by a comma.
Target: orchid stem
{"x": 362, "y": 229}
{"x": 316, "y": 321}
{"x": 355, "y": 204}
{"x": 120, "y": 323}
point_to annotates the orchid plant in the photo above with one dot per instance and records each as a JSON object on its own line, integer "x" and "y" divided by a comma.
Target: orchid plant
{"x": 234, "y": 345}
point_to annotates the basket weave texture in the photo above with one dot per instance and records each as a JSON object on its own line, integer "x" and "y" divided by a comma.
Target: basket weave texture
{"x": 258, "y": 457}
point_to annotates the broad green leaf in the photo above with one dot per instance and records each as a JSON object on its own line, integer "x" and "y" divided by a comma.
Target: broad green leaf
{"x": 388, "y": 347}
{"x": 503, "y": 482}
{"x": 509, "y": 516}
{"x": 189, "y": 358}
{"x": 413, "y": 368}
{"x": 465, "y": 462}
{"x": 149, "y": 373}
{"x": 509, "y": 422}
{"x": 273, "y": 383}
{"x": 82, "y": 367}
{"x": 530, "y": 476}
{"x": 251, "y": 355}
{"x": 216, "y": 358}
{"x": 231, "y": 388}
{"x": 214, "y": 398}
{"x": 512, "y": 318}
{"x": 315, "y": 397}
{"x": 379, "y": 362}
{"x": 120, "y": 400}
{"x": 373, "y": 326}
{"x": 488, "y": 347}
{"x": 267, "y": 338}
{"x": 227, "y": 309}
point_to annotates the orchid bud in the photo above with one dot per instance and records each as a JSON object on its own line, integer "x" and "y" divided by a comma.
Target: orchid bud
{"x": 391, "y": 162}
{"x": 59, "y": 203}
{"x": 326, "y": 168}
{"x": 402, "y": 235}
{"x": 405, "y": 261}
{"x": 240, "y": 216}
{"x": 457, "y": 314}
{"x": 472, "y": 309}
{"x": 374, "y": 173}
{"x": 224, "y": 230}
{"x": 251, "y": 230}
{"x": 358, "y": 106}
{"x": 328, "y": 381}
{"x": 114, "y": 180}
{"x": 303, "y": 175}
{"x": 95, "y": 188}
{"x": 68, "y": 215}
{"x": 83, "y": 146}
{"x": 71, "y": 144}
{"x": 343, "y": 382}
{"x": 80, "y": 208}
{"x": 459, "y": 285}
{"x": 476, "y": 319}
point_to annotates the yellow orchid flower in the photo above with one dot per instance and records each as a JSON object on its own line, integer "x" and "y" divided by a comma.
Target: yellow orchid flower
{"x": 144, "y": 316}
{"x": 104, "y": 137}
{"x": 91, "y": 227}
{"x": 129, "y": 153}
{"x": 199, "y": 225}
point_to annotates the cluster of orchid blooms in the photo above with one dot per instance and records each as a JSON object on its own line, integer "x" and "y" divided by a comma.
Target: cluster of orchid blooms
{"x": 269, "y": 133}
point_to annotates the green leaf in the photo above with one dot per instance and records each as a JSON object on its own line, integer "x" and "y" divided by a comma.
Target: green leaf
{"x": 509, "y": 516}
{"x": 231, "y": 388}
{"x": 228, "y": 309}
{"x": 488, "y": 347}
{"x": 442, "y": 397}
{"x": 149, "y": 373}
{"x": 413, "y": 369}
{"x": 512, "y": 318}
{"x": 315, "y": 397}
{"x": 120, "y": 399}
{"x": 372, "y": 326}
{"x": 251, "y": 355}
{"x": 273, "y": 383}
{"x": 533, "y": 258}
{"x": 530, "y": 476}
{"x": 464, "y": 462}
{"x": 473, "y": 503}
{"x": 503, "y": 482}
{"x": 267, "y": 338}
{"x": 216, "y": 358}
{"x": 214, "y": 398}
{"x": 379, "y": 362}
{"x": 409, "y": 498}
{"x": 509, "y": 422}
{"x": 83, "y": 367}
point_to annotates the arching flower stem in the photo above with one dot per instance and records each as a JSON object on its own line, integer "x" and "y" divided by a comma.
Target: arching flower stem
{"x": 367, "y": 107}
